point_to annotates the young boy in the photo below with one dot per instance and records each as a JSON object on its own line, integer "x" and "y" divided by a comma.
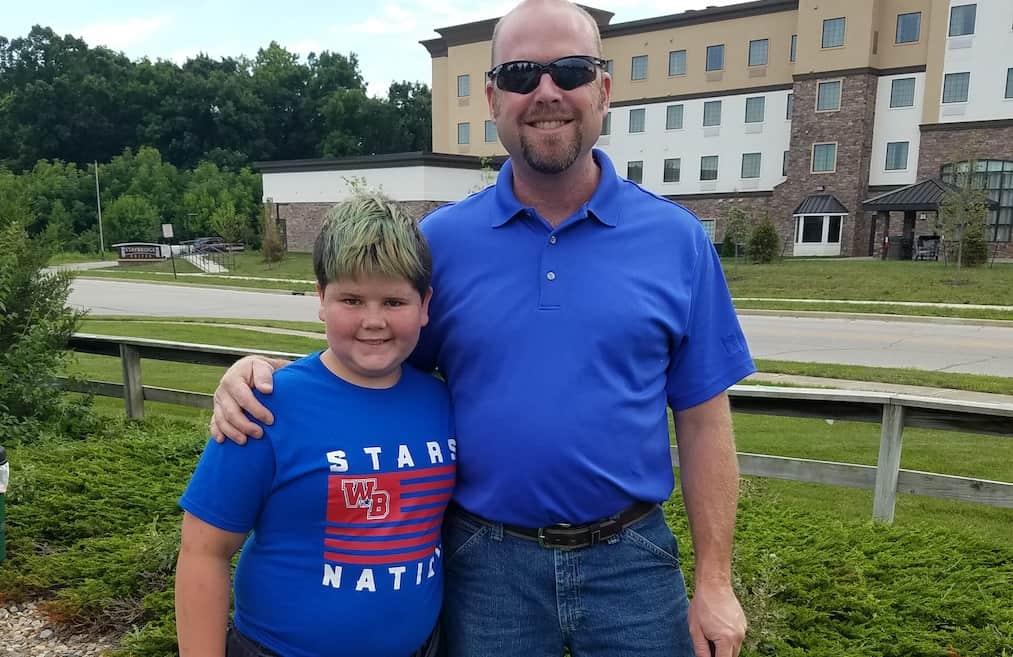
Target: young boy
{"x": 346, "y": 493}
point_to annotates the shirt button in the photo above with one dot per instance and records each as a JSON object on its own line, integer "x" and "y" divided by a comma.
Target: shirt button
{"x": 552, "y": 240}
{"x": 551, "y": 276}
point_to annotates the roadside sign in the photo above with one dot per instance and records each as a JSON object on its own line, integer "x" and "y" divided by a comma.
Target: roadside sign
{"x": 167, "y": 231}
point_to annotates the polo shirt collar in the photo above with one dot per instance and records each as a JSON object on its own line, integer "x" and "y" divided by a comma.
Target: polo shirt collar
{"x": 604, "y": 205}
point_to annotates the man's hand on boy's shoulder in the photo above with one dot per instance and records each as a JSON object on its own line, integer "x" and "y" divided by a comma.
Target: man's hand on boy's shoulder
{"x": 234, "y": 395}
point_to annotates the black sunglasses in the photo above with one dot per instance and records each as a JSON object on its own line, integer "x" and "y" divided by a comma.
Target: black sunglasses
{"x": 568, "y": 73}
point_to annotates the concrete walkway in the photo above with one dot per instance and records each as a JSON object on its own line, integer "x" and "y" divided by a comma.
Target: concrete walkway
{"x": 205, "y": 264}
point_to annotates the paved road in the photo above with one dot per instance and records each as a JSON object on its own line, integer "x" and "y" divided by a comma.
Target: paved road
{"x": 969, "y": 348}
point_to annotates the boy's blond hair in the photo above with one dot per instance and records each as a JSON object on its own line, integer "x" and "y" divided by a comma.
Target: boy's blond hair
{"x": 368, "y": 235}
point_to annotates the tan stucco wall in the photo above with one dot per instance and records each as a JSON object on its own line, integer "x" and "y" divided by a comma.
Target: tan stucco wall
{"x": 936, "y": 55}
{"x": 472, "y": 59}
{"x": 440, "y": 100}
{"x": 735, "y": 34}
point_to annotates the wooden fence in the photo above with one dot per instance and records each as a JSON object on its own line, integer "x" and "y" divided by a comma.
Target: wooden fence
{"x": 893, "y": 412}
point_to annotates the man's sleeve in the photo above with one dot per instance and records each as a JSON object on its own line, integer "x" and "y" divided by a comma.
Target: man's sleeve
{"x": 230, "y": 484}
{"x": 713, "y": 354}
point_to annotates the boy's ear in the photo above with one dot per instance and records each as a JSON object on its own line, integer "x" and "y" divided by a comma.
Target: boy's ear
{"x": 425, "y": 307}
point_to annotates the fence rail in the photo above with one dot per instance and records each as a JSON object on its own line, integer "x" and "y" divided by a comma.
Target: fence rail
{"x": 893, "y": 412}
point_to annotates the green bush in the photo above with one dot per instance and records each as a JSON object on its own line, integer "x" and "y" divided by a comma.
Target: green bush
{"x": 35, "y": 326}
{"x": 764, "y": 242}
{"x": 736, "y": 232}
{"x": 974, "y": 251}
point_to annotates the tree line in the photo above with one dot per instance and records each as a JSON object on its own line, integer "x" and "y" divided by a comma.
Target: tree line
{"x": 175, "y": 142}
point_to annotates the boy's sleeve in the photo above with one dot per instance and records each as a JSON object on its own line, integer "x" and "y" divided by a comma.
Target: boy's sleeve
{"x": 230, "y": 484}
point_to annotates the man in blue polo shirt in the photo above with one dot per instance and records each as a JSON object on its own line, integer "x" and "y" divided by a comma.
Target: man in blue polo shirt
{"x": 570, "y": 308}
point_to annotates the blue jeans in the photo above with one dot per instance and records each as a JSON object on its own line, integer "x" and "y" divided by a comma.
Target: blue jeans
{"x": 506, "y": 595}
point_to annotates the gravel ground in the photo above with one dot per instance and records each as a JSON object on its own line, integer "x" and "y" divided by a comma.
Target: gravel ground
{"x": 25, "y": 632}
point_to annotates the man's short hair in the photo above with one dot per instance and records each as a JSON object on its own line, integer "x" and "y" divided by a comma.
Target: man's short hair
{"x": 370, "y": 234}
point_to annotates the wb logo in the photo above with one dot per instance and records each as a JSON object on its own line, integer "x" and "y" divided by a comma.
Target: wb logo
{"x": 363, "y": 494}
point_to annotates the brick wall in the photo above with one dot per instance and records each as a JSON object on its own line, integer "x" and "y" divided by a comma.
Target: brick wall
{"x": 956, "y": 143}
{"x": 717, "y": 208}
{"x": 302, "y": 221}
{"x": 851, "y": 128}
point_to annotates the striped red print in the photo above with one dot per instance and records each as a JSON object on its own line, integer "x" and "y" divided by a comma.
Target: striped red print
{"x": 386, "y": 518}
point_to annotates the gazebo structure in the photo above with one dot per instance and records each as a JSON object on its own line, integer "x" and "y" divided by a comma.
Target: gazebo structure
{"x": 915, "y": 201}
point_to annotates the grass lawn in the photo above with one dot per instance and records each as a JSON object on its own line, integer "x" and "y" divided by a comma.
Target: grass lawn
{"x": 875, "y": 280}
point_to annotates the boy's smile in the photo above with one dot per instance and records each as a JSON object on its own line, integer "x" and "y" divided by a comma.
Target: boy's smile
{"x": 372, "y": 325}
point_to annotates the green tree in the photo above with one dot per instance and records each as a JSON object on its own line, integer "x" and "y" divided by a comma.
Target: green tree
{"x": 737, "y": 228}
{"x": 35, "y": 326}
{"x": 764, "y": 242}
{"x": 131, "y": 219}
{"x": 961, "y": 218}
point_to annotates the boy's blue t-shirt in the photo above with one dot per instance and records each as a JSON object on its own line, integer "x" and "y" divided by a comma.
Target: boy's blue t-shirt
{"x": 345, "y": 496}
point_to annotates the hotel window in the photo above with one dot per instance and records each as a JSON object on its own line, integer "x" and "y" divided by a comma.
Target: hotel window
{"x": 1009, "y": 83}
{"x": 635, "y": 170}
{"x": 784, "y": 164}
{"x": 708, "y": 227}
{"x": 909, "y": 27}
{"x": 638, "y": 67}
{"x": 828, "y": 96}
{"x": 750, "y": 165}
{"x": 677, "y": 62}
{"x": 896, "y": 155}
{"x": 754, "y": 109}
{"x": 709, "y": 167}
{"x": 902, "y": 92}
{"x": 787, "y": 111}
{"x": 463, "y": 133}
{"x": 758, "y": 52}
{"x": 490, "y": 131}
{"x": 793, "y": 48}
{"x": 673, "y": 117}
{"x": 824, "y": 158}
{"x": 610, "y": 65}
{"x": 962, "y": 20}
{"x": 716, "y": 57}
{"x": 673, "y": 169}
{"x": 955, "y": 86}
{"x": 606, "y": 124}
{"x": 463, "y": 85}
{"x": 712, "y": 113}
{"x": 637, "y": 119}
{"x": 833, "y": 32}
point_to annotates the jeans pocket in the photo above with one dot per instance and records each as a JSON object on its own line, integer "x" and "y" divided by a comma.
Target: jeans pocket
{"x": 459, "y": 535}
{"x": 653, "y": 536}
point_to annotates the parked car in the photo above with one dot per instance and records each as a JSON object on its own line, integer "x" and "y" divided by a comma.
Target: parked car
{"x": 209, "y": 245}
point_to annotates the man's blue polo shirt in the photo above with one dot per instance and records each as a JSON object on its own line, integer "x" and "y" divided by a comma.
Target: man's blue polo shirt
{"x": 562, "y": 346}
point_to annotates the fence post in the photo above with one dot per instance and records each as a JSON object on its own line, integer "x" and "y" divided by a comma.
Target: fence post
{"x": 888, "y": 464}
{"x": 133, "y": 393}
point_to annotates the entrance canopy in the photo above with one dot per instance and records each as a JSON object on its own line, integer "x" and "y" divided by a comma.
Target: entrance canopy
{"x": 919, "y": 197}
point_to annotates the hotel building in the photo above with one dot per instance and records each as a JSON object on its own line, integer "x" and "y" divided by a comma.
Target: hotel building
{"x": 811, "y": 111}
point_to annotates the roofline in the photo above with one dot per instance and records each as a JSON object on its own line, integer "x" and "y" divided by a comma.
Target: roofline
{"x": 459, "y": 35}
{"x": 385, "y": 161}
{"x": 479, "y": 31}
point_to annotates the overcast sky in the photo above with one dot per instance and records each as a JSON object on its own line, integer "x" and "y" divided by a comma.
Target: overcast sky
{"x": 384, "y": 35}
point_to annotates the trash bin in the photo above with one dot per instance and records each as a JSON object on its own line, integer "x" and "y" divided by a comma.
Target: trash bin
{"x": 900, "y": 248}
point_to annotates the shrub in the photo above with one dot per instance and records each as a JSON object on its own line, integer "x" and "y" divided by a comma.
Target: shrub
{"x": 736, "y": 233}
{"x": 974, "y": 251}
{"x": 764, "y": 242}
{"x": 35, "y": 326}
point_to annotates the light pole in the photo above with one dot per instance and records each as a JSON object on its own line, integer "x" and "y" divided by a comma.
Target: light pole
{"x": 98, "y": 203}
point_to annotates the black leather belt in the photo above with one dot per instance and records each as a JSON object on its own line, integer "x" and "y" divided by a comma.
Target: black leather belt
{"x": 571, "y": 537}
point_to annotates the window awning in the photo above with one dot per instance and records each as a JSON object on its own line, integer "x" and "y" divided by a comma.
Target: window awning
{"x": 821, "y": 204}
